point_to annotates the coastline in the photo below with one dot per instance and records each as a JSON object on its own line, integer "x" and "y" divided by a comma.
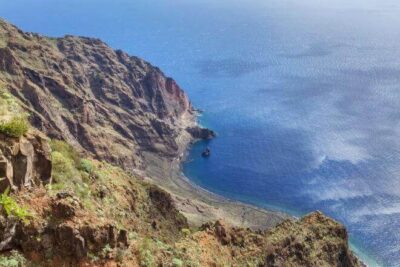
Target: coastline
{"x": 196, "y": 203}
{"x": 363, "y": 256}
{"x": 200, "y": 205}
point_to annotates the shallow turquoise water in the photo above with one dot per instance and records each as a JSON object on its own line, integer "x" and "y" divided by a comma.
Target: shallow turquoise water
{"x": 304, "y": 96}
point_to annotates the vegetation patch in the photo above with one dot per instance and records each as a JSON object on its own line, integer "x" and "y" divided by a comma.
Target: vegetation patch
{"x": 68, "y": 174}
{"x": 146, "y": 253}
{"x": 11, "y": 124}
{"x": 12, "y": 208}
{"x": 15, "y": 127}
{"x": 177, "y": 262}
{"x": 14, "y": 259}
{"x": 66, "y": 150}
{"x": 86, "y": 166}
{"x": 64, "y": 169}
{"x": 65, "y": 164}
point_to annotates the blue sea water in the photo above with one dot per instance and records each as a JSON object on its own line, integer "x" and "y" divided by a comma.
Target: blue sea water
{"x": 304, "y": 96}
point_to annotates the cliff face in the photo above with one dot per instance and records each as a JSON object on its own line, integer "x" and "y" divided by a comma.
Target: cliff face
{"x": 314, "y": 240}
{"x": 102, "y": 101}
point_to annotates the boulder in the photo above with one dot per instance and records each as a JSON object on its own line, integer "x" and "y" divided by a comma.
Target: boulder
{"x": 24, "y": 161}
{"x": 65, "y": 208}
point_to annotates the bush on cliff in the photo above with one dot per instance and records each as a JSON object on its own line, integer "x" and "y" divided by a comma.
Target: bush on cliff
{"x": 15, "y": 127}
{"x": 14, "y": 259}
{"x": 86, "y": 166}
{"x": 11, "y": 208}
{"x": 66, "y": 169}
{"x": 63, "y": 168}
{"x": 8, "y": 104}
{"x": 67, "y": 151}
{"x": 13, "y": 120}
{"x": 146, "y": 252}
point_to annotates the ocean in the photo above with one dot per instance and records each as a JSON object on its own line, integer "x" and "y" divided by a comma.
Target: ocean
{"x": 304, "y": 96}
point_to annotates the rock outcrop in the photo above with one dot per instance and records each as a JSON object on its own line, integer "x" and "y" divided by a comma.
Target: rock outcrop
{"x": 24, "y": 161}
{"x": 201, "y": 133}
{"x": 63, "y": 235}
{"x": 314, "y": 240}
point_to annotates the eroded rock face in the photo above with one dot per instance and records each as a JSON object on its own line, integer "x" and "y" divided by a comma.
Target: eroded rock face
{"x": 164, "y": 210}
{"x": 67, "y": 239}
{"x": 104, "y": 102}
{"x": 24, "y": 161}
{"x": 315, "y": 240}
{"x": 63, "y": 235}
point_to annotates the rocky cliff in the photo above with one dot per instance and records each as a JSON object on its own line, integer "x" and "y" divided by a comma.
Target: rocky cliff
{"x": 77, "y": 202}
{"x": 104, "y": 102}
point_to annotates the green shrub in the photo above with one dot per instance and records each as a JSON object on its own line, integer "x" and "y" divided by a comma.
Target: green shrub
{"x": 106, "y": 251}
{"x": 92, "y": 257}
{"x": 82, "y": 190}
{"x": 132, "y": 235}
{"x": 146, "y": 258}
{"x": 67, "y": 176}
{"x": 12, "y": 208}
{"x": 63, "y": 168}
{"x": 15, "y": 127}
{"x": 185, "y": 232}
{"x": 66, "y": 150}
{"x": 177, "y": 262}
{"x": 86, "y": 166}
{"x": 145, "y": 253}
{"x": 13, "y": 260}
{"x": 8, "y": 104}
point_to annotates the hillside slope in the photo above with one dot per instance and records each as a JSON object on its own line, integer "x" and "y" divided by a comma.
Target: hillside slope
{"x": 95, "y": 214}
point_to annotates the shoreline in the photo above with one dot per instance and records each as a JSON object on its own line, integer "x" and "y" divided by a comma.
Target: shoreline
{"x": 200, "y": 205}
{"x": 196, "y": 203}
{"x": 362, "y": 256}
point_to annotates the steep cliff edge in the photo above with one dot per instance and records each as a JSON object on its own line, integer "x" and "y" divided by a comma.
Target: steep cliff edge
{"x": 71, "y": 205}
{"x": 104, "y": 102}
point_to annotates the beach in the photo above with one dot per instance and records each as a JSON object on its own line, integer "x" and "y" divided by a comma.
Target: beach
{"x": 197, "y": 204}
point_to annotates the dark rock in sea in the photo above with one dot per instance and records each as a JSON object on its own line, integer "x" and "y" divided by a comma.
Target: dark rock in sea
{"x": 198, "y": 110}
{"x": 201, "y": 133}
{"x": 206, "y": 153}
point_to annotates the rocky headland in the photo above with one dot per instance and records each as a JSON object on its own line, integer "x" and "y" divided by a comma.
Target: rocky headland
{"x": 94, "y": 179}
